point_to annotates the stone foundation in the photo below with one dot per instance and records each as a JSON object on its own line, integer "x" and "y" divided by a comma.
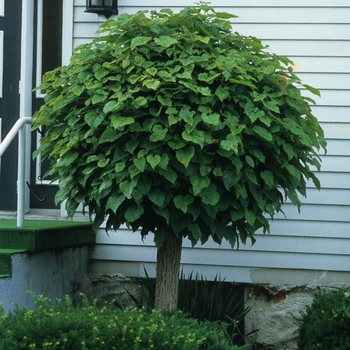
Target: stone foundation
{"x": 117, "y": 288}
{"x": 273, "y": 315}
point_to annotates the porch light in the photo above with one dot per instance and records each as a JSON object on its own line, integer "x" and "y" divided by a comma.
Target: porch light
{"x": 103, "y": 7}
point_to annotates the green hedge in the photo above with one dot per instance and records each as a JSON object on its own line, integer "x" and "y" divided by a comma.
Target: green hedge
{"x": 326, "y": 323}
{"x": 87, "y": 327}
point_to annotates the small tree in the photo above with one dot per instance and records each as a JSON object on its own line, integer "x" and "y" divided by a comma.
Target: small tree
{"x": 175, "y": 125}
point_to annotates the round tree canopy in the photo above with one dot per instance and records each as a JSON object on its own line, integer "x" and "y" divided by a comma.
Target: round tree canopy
{"x": 173, "y": 122}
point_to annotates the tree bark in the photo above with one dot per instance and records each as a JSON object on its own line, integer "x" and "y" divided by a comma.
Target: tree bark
{"x": 168, "y": 269}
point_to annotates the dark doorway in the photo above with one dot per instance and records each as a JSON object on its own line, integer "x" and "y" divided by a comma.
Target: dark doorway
{"x": 10, "y": 32}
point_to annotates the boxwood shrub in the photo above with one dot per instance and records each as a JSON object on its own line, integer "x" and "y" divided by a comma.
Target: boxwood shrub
{"x": 60, "y": 325}
{"x": 326, "y": 323}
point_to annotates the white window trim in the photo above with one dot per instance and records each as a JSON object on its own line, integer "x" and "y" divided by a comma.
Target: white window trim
{"x": 2, "y": 8}
{"x": 67, "y": 38}
{"x": 1, "y": 61}
{"x": 67, "y": 49}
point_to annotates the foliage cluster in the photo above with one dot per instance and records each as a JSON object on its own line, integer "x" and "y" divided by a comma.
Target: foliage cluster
{"x": 326, "y": 323}
{"x": 56, "y": 327}
{"x": 173, "y": 122}
{"x": 206, "y": 300}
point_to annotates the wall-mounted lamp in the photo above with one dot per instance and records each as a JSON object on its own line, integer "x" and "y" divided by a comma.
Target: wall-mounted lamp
{"x": 102, "y": 7}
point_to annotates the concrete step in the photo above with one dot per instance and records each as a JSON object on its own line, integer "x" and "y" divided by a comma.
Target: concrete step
{"x": 38, "y": 236}
{"x": 5, "y": 261}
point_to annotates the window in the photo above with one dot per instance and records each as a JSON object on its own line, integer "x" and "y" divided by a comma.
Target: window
{"x": 49, "y": 37}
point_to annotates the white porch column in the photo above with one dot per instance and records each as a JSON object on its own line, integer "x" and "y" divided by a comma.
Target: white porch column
{"x": 25, "y": 109}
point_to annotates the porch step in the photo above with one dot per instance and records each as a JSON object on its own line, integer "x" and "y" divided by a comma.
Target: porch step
{"x": 40, "y": 235}
{"x": 5, "y": 261}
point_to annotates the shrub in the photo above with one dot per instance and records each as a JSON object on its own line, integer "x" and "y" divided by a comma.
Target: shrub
{"x": 55, "y": 327}
{"x": 326, "y": 323}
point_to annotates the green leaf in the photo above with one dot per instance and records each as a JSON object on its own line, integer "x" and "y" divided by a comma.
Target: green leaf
{"x": 153, "y": 160}
{"x": 93, "y": 119}
{"x": 271, "y": 105}
{"x": 225, "y": 15}
{"x": 139, "y": 102}
{"x": 119, "y": 122}
{"x": 133, "y": 213}
{"x": 210, "y": 195}
{"x": 263, "y": 133}
{"x": 258, "y": 154}
{"x": 230, "y": 178}
{"x": 114, "y": 202}
{"x": 293, "y": 171}
{"x": 211, "y": 119}
{"x": 144, "y": 185}
{"x": 126, "y": 187}
{"x": 110, "y": 106}
{"x": 250, "y": 217}
{"x": 204, "y": 90}
{"x": 196, "y": 136}
{"x": 169, "y": 174}
{"x": 312, "y": 90}
{"x": 133, "y": 171}
{"x": 250, "y": 174}
{"x": 152, "y": 71}
{"x": 196, "y": 233}
{"x": 182, "y": 202}
{"x": 77, "y": 90}
{"x": 187, "y": 115}
{"x": 158, "y": 133}
{"x": 231, "y": 143}
{"x": 289, "y": 150}
{"x": 268, "y": 178}
{"x": 158, "y": 197}
{"x": 119, "y": 167}
{"x": 103, "y": 162}
{"x": 222, "y": 92}
{"x": 101, "y": 73}
{"x": 172, "y": 120}
{"x": 140, "y": 163}
{"x": 97, "y": 98}
{"x": 199, "y": 183}
{"x": 139, "y": 41}
{"x": 250, "y": 161}
{"x": 184, "y": 155}
{"x": 69, "y": 158}
{"x": 152, "y": 84}
{"x": 164, "y": 161}
{"x": 165, "y": 101}
{"x": 165, "y": 41}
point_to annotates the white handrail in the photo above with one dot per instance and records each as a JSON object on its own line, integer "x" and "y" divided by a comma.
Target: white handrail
{"x": 19, "y": 129}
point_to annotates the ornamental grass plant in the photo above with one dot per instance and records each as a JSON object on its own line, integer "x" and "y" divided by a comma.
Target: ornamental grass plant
{"x": 201, "y": 299}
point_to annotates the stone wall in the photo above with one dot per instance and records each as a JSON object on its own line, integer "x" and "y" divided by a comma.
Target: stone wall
{"x": 273, "y": 314}
{"x": 121, "y": 290}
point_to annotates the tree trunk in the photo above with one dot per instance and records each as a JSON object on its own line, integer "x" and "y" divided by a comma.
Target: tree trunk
{"x": 168, "y": 269}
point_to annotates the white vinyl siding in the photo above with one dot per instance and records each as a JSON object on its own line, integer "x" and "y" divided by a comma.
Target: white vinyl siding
{"x": 315, "y": 244}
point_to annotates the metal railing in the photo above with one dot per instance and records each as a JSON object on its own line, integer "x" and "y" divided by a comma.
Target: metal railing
{"x": 18, "y": 128}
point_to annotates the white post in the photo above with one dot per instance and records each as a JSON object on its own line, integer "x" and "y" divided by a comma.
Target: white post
{"x": 27, "y": 37}
{"x": 21, "y": 176}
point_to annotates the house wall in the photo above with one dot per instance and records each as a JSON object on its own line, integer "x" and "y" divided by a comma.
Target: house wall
{"x": 307, "y": 248}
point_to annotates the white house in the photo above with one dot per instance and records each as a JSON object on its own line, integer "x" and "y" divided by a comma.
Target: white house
{"x": 308, "y": 248}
